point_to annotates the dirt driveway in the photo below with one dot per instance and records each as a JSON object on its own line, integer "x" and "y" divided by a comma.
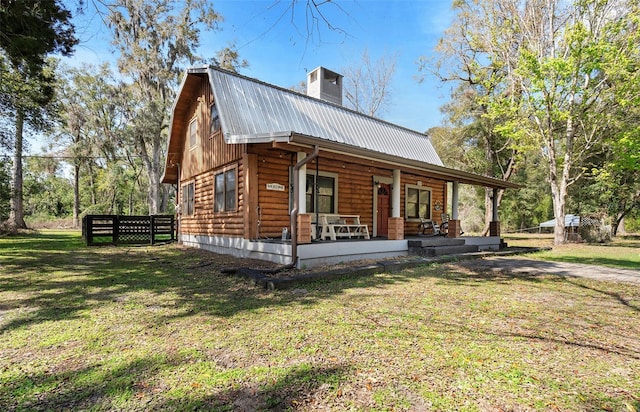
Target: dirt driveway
{"x": 524, "y": 266}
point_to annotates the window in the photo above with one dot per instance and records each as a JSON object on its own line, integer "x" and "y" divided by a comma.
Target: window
{"x": 418, "y": 202}
{"x": 193, "y": 133}
{"x": 188, "y": 198}
{"x": 214, "y": 119}
{"x": 225, "y": 191}
{"x": 325, "y": 190}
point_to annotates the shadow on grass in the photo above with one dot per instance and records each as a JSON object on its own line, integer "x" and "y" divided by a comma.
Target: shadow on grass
{"x": 616, "y": 296}
{"x": 53, "y": 276}
{"x": 49, "y": 277}
{"x": 625, "y": 241}
{"x": 555, "y": 266}
{"x": 77, "y": 387}
{"x": 475, "y": 277}
{"x": 490, "y": 334}
{"x": 532, "y": 271}
{"x": 136, "y": 384}
{"x": 291, "y": 391}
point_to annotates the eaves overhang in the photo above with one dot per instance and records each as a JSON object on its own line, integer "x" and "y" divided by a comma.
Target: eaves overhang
{"x": 172, "y": 153}
{"x": 442, "y": 172}
{"x": 275, "y": 137}
{"x": 445, "y": 173}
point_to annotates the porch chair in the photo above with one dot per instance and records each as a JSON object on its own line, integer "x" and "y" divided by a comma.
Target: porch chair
{"x": 428, "y": 225}
{"x": 444, "y": 226}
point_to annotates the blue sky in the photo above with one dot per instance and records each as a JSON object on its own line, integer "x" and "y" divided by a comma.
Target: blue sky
{"x": 274, "y": 41}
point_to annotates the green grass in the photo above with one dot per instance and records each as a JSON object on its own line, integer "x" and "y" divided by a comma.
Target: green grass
{"x": 621, "y": 252}
{"x": 160, "y": 328}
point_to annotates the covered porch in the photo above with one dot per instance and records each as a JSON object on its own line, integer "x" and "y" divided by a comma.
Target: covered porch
{"x": 393, "y": 214}
{"x": 318, "y": 239}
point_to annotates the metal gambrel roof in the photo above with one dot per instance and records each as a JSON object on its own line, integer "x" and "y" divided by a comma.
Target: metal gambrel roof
{"x": 253, "y": 112}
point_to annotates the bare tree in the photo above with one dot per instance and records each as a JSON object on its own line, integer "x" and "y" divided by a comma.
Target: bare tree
{"x": 367, "y": 84}
{"x": 311, "y": 19}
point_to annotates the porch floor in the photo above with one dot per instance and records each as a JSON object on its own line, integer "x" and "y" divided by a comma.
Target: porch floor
{"x": 323, "y": 252}
{"x": 328, "y": 252}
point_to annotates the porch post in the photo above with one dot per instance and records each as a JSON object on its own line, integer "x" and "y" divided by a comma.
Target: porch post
{"x": 396, "y": 223}
{"x": 395, "y": 194}
{"x": 302, "y": 192}
{"x": 454, "y": 221}
{"x": 494, "y": 225}
{"x": 495, "y": 205}
{"x": 303, "y": 219}
{"x": 454, "y": 200}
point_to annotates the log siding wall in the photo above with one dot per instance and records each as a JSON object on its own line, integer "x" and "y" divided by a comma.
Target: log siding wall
{"x": 210, "y": 156}
{"x": 272, "y": 207}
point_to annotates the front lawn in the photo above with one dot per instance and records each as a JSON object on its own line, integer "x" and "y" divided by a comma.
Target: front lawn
{"x": 621, "y": 252}
{"x": 160, "y": 328}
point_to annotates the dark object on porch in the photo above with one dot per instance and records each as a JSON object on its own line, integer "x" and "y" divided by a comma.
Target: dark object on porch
{"x": 117, "y": 230}
{"x": 430, "y": 227}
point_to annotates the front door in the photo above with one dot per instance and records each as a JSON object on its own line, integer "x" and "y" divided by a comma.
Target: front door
{"x": 384, "y": 206}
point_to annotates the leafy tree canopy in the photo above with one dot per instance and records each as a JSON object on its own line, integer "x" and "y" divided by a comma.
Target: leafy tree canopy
{"x": 30, "y": 30}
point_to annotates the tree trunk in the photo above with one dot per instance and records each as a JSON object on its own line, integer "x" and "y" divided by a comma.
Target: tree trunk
{"x": 92, "y": 185}
{"x": 493, "y": 158}
{"x": 560, "y": 184}
{"x": 620, "y": 228}
{"x": 112, "y": 203}
{"x": 164, "y": 199}
{"x": 617, "y": 226}
{"x": 154, "y": 192}
{"x": 16, "y": 215}
{"x": 76, "y": 195}
{"x": 152, "y": 167}
{"x": 558, "y": 213}
{"x": 559, "y": 197}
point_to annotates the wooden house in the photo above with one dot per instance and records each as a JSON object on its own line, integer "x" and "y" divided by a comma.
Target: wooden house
{"x": 269, "y": 173}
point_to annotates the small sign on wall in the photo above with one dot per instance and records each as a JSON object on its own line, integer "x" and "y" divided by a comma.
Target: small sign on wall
{"x": 275, "y": 186}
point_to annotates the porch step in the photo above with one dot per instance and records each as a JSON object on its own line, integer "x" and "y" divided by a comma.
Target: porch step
{"x": 431, "y": 251}
{"x": 436, "y": 241}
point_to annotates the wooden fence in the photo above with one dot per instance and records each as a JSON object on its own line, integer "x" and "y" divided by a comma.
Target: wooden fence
{"x": 118, "y": 230}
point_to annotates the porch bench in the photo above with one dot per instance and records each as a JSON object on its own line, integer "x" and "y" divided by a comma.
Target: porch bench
{"x": 335, "y": 226}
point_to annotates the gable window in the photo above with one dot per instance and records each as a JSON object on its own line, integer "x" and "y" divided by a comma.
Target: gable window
{"x": 188, "y": 198}
{"x": 324, "y": 190}
{"x": 214, "y": 119}
{"x": 225, "y": 195}
{"x": 417, "y": 202}
{"x": 193, "y": 133}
